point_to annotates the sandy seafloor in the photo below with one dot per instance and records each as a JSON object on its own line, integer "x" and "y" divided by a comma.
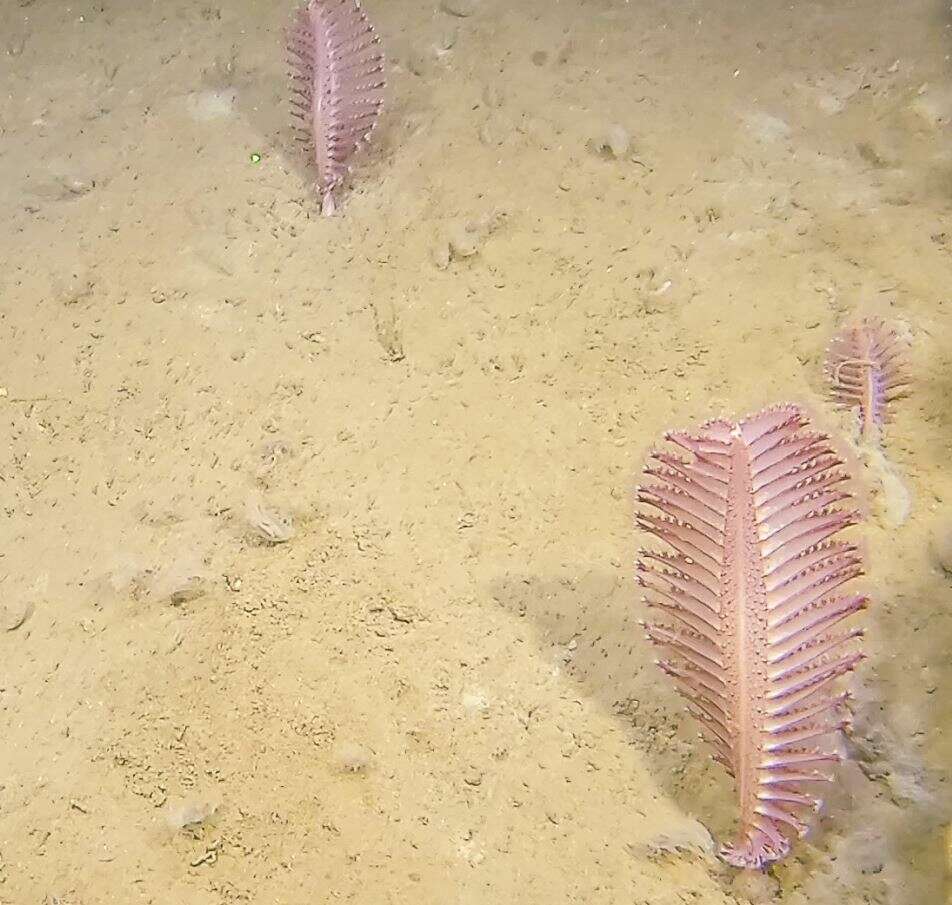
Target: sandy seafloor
{"x": 436, "y": 690}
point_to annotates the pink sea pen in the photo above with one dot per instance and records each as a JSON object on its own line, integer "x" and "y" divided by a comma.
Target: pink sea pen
{"x": 751, "y": 588}
{"x": 337, "y": 86}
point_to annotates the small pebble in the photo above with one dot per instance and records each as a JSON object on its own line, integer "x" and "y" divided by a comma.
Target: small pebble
{"x": 352, "y": 758}
{"x": 463, "y": 241}
{"x": 754, "y": 887}
{"x": 687, "y": 836}
{"x": 13, "y": 615}
{"x": 492, "y": 96}
{"x": 182, "y": 813}
{"x": 487, "y": 136}
{"x": 933, "y": 107}
{"x": 270, "y": 525}
{"x": 440, "y": 254}
{"x": 941, "y": 545}
{"x": 446, "y": 40}
{"x": 461, "y": 8}
{"x": 181, "y": 581}
{"x": 418, "y": 62}
{"x": 205, "y": 106}
{"x": 614, "y": 141}
{"x": 191, "y": 588}
{"x": 475, "y": 702}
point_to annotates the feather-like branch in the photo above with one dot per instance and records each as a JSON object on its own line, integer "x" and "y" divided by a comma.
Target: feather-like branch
{"x": 751, "y": 596}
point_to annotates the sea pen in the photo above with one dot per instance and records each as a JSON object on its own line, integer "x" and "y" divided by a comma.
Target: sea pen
{"x": 866, "y": 369}
{"x": 337, "y": 86}
{"x": 751, "y": 588}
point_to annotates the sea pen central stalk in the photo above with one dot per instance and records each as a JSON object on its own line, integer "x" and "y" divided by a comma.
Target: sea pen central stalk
{"x": 745, "y": 607}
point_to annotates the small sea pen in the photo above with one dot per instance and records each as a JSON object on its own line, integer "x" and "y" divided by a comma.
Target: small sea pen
{"x": 337, "y": 86}
{"x": 866, "y": 369}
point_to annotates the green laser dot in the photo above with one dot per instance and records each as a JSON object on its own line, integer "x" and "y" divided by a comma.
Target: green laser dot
{"x": 256, "y": 157}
